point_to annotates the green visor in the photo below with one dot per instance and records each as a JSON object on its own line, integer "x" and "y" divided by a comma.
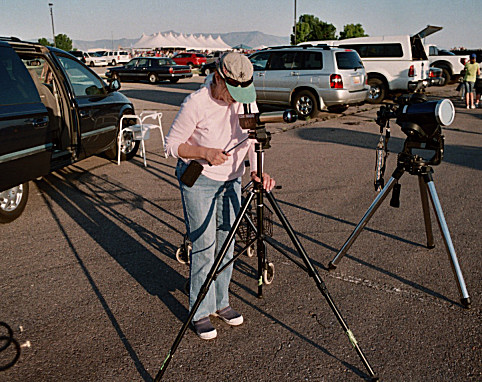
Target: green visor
{"x": 240, "y": 93}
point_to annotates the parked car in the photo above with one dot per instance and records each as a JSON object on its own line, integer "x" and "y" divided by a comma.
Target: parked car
{"x": 54, "y": 111}
{"x": 209, "y": 68}
{"x": 214, "y": 56}
{"x": 150, "y": 69}
{"x": 117, "y": 57}
{"x": 89, "y": 58}
{"x": 190, "y": 59}
{"x": 309, "y": 78}
{"x": 451, "y": 65}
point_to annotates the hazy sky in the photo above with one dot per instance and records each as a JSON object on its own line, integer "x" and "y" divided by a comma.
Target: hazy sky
{"x": 106, "y": 19}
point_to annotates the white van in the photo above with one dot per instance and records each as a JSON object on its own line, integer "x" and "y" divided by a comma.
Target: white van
{"x": 117, "y": 57}
{"x": 392, "y": 63}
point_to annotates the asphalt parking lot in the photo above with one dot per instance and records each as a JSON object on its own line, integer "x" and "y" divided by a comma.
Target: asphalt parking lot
{"x": 92, "y": 289}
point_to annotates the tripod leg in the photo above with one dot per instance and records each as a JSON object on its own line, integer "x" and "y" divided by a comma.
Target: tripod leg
{"x": 426, "y": 212}
{"x": 204, "y": 289}
{"x": 465, "y": 299}
{"x": 319, "y": 282}
{"x": 364, "y": 221}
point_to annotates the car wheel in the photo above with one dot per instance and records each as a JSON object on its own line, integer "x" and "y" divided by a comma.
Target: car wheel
{"x": 113, "y": 63}
{"x": 12, "y": 202}
{"x": 130, "y": 146}
{"x": 152, "y": 78}
{"x": 305, "y": 104}
{"x": 446, "y": 76}
{"x": 92, "y": 63}
{"x": 190, "y": 64}
{"x": 207, "y": 72}
{"x": 377, "y": 91}
{"x": 174, "y": 80}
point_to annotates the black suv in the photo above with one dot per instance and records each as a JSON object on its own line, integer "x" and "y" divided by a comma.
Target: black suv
{"x": 54, "y": 111}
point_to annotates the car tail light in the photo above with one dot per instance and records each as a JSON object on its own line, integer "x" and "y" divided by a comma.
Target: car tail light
{"x": 411, "y": 71}
{"x": 171, "y": 70}
{"x": 463, "y": 60}
{"x": 336, "y": 82}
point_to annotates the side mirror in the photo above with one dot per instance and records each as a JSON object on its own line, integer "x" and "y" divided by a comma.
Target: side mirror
{"x": 114, "y": 85}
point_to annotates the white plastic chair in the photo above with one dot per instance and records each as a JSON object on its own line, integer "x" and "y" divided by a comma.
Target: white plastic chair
{"x": 140, "y": 131}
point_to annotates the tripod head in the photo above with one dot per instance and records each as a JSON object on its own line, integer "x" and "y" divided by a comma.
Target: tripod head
{"x": 422, "y": 122}
{"x": 255, "y": 123}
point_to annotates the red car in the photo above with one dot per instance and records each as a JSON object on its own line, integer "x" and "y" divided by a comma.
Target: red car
{"x": 191, "y": 59}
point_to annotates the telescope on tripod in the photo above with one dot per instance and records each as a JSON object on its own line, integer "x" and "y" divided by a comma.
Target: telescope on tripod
{"x": 255, "y": 124}
{"x": 422, "y": 122}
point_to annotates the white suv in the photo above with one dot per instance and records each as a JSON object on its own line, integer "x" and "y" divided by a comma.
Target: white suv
{"x": 309, "y": 78}
{"x": 117, "y": 57}
{"x": 394, "y": 64}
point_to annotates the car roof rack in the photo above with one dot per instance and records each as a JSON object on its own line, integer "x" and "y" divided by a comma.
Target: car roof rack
{"x": 15, "y": 39}
{"x": 305, "y": 46}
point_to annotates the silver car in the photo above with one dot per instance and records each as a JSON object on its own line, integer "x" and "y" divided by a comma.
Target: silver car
{"x": 309, "y": 78}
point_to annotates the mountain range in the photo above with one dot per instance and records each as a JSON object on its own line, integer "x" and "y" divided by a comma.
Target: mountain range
{"x": 253, "y": 39}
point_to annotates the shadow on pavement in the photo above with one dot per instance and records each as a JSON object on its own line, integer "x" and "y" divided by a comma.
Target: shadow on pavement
{"x": 362, "y": 262}
{"x": 96, "y": 214}
{"x": 156, "y": 95}
{"x": 466, "y": 156}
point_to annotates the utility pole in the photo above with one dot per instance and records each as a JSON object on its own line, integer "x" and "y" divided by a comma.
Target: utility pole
{"x": 295, "y": 25}
{"x": 51, "y": 5}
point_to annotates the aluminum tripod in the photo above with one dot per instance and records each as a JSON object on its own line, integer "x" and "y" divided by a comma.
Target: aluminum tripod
{"x": 408, "y": 162}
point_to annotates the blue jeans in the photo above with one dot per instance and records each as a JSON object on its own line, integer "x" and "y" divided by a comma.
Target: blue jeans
{"x": 210, "y": 208}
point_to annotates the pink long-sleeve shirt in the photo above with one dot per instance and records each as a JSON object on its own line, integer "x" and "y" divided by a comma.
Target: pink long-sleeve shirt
{"x": 205, "y": 121}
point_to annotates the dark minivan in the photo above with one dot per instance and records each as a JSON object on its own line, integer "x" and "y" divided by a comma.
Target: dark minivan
{"x": 54, "y": 111}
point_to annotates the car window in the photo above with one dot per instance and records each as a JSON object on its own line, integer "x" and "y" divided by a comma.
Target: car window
{"x": 348, "y": 60}
{"x": 131, "y": 63}
{"x": 83, "y": 81}
{"x": 376, "y": 50}
{"x": 143, "y": 63}
{"x": 283, "y": 60}
{"x": 260, "y": 60}
{"x": 311, "y": 60}
{"x": 16, "y": 85}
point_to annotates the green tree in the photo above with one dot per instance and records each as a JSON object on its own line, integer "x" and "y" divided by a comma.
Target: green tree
{"x": 311, "y": 28}
{"x": 62, "y": 41}
{"x": 352, "y": 30}
{"x": 44, "y": 41}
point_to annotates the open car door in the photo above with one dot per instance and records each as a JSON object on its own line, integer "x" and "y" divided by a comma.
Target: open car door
{"x": 25, "y": 136}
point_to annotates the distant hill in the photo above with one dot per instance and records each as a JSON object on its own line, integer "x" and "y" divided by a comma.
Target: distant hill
{"x": 253, "y": 39}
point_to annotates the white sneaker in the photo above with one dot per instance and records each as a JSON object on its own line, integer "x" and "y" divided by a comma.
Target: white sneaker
{"x": 230, "y": 316}
{"x": 204, "y": 329}
{"x": 472, "y": 107}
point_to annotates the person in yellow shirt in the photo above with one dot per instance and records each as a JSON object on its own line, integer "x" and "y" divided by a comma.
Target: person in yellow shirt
{"x": 472, "y": 70}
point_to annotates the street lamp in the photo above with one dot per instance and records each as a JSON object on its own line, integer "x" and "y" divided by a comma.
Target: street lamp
{"x": 52, "y": 18}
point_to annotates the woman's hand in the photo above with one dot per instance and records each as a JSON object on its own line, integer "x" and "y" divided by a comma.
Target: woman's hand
{"x": 268, "y": 182}
{"x": 216, "y": 157}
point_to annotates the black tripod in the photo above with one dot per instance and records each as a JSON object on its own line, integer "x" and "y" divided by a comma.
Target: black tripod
{"x": 263, "y": 138}
{"x": 415, "y": 165}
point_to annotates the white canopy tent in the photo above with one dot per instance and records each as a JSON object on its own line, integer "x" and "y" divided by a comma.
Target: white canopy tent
{"x": 180, "y": 41}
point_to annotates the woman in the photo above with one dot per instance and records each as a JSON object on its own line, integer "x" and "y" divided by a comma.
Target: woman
{"x": 205, "y": 129}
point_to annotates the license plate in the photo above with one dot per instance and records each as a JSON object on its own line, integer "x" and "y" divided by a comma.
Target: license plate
{"x": 356, "y": 80}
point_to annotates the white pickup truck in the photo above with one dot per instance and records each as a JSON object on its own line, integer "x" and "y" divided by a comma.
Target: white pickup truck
{"x": 450, "y": 64}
